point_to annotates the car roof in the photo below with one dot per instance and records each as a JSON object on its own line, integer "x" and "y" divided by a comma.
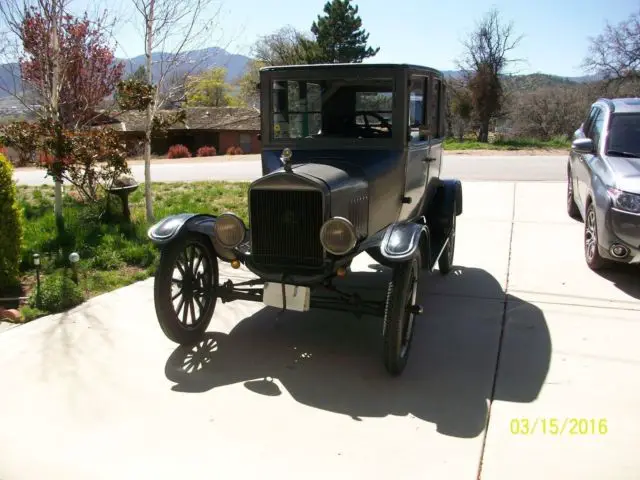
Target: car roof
{"x": 621, "y": 105}
{"x": 363, "y": 66}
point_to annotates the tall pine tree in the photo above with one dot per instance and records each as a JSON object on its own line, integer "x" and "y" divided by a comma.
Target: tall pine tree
{"x": 339, "y": 34}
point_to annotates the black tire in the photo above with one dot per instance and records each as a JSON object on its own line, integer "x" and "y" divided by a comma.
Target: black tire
{"x": 398, "y": 321}
{"x": 193, "y": 252}
{"x": 591, "y": 253}
{"x": 572, "y": 208}
{"x": 445, "y": 262}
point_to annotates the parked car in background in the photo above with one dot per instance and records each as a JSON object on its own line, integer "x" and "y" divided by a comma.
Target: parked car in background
{"x": 603, "y": 182}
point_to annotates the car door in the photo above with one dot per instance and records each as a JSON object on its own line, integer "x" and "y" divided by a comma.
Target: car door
{"x": 574, "y": 157}
{"x": 418, "y": 147}
{"x": 437, "y": 128}
{"x": 585, "y": 160}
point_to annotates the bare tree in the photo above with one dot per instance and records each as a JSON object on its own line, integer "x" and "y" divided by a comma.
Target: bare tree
{"x": 183, "y": 28}
{"x": 484, "y": 60}
{"x": 550, "y": 111}
{"x": 615, "y": 53}
{"x": 286, "y": 46}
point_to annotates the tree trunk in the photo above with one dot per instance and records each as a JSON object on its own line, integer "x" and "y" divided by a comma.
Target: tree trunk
{"x": 57, "y": 203}
{"x": 483, "y": 135}
{"x": 55, "y": 106}
{"x": 148, "y": 195}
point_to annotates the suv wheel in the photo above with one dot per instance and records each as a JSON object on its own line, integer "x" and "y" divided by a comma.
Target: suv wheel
{"x": 591, "y": 253}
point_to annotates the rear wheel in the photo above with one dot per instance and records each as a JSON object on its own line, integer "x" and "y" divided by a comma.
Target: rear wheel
{"x": 400, "y": 313}
{"x": 445, "y": 262}
{"x": 572, "y": 208}
{"x": 185, "y": 288}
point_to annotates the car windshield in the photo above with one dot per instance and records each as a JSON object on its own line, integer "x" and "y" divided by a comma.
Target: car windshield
{"x": 624, "y": 134}
{"x": 347, "y": 108}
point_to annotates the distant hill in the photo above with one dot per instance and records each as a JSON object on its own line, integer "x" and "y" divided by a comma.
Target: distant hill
{"x": 532, "y": 80}
{"x": 235, "y": 64}
{"x": 202, "y": 60}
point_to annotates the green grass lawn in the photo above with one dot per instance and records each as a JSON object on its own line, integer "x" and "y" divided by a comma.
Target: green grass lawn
{"x": 113, "y": 253}
{"x": 511, "y": 144}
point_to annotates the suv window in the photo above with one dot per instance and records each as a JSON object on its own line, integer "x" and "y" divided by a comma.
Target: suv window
{"x": 595, "y": 130}
{"x": 624, "y": 132}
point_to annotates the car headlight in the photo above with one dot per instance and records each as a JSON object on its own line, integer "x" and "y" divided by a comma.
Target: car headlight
{"x": 338, "y": 236}
{"x": 230, "y": 230}
{"x": 629, "y": 202}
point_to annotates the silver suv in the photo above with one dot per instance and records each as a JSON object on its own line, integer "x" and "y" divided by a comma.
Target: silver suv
{"x": 603, "y": 181}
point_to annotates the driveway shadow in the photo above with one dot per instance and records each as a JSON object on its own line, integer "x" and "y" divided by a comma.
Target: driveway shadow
{"x": 625, "y": 277}
{"x": 333, "y": 361}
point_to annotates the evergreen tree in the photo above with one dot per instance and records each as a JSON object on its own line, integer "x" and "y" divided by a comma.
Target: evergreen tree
{"x": 140, "y": 74}
{"x": 339, "y": 34}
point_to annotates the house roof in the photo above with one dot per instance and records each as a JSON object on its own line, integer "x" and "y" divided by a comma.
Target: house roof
{"x": 207, "y": 118}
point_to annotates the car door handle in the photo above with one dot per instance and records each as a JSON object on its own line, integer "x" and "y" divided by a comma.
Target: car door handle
{"x": 429, "y": 159}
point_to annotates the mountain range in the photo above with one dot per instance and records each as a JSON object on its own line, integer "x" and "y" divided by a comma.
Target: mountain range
{"x": 199, "y": 60}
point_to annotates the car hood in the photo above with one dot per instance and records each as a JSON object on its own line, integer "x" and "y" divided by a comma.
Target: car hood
{"x": 335, "y": 175}
{"x": 627, "y": 173}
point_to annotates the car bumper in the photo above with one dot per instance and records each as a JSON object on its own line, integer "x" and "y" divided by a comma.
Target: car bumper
{"x": 621, "y": 230}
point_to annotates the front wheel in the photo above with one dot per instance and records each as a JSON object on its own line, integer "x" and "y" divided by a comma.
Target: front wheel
{"x": 592, "y": 256}
{"x": 400, "y": 313}
{"x": 185, "y": 288}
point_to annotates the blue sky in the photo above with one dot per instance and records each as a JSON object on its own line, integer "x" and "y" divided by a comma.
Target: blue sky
{"x": 555, "y": 32}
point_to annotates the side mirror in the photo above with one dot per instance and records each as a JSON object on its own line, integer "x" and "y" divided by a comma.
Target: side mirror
{"x": 582, "y": 145}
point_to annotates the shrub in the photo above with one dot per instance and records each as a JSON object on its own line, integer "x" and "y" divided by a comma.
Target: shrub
{"x": 235, "y": 150}
{"x": 12, "y": 228}
{"x": 207, "y": 151}
{"x": 57, "y": 294}
{"x": 178, "y": 151}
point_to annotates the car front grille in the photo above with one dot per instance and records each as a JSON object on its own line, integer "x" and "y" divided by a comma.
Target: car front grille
{"x": 285, "y": 228}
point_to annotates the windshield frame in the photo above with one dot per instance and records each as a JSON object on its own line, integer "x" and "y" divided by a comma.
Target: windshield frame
{"x": 397, "y": 77}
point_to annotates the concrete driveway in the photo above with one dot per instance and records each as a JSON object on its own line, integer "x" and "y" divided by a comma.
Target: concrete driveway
{"x": 520, "y": 331}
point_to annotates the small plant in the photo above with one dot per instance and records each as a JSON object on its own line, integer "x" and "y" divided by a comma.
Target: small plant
{"x": 207, "y": 151}
{"x": 57, "y": 294}
{"x": 178, "y": 151}
{"x": 12, "y": 227}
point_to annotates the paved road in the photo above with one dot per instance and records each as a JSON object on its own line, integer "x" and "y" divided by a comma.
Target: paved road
{"x": 521, "y": 330}
{"x": 465, "y": 167}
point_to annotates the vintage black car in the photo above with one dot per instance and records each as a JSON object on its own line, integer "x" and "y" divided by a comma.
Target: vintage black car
{"x": 351, "y": 155}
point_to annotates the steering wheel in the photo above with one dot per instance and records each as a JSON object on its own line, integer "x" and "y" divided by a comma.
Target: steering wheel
{"x": 383, "y": 121}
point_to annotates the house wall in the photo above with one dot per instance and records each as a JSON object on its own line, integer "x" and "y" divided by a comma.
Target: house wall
{"x": 248, "y": 140}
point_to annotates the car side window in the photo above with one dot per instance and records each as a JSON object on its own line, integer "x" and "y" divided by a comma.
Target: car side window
{"x": 417, "y": 120}
{"x": 596, "y": 128}
{"x": 587, "y": 123}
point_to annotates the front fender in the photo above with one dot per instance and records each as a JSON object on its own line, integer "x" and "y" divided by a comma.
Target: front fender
{"x": 402, "y": 241}
{"x": 170, "y": 228}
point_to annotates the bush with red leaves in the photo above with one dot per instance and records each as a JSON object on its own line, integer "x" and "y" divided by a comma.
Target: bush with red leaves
{"x": 178, "y": 151}
{"x": 207, "y": 151}
{"x": 235, "y": 150}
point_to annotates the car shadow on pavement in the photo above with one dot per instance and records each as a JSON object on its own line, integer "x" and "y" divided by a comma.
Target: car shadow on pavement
{"x": 625, "y": 277}
{"x": 333, "y": 361}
